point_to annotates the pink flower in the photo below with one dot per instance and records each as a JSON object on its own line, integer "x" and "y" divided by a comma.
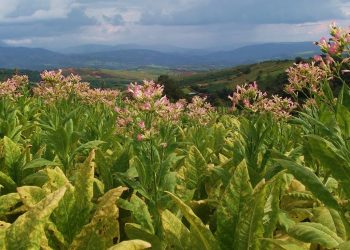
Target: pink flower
{"x": 317, "y": 58}
{"x": 142, "y": 125}
{"x": 323, "y": 40}
{"x": 139, "y": 137}
{"x": 246, "y": 103}
{"x": 329, "y": 59}
{"x": 289, "y": 89}
{"x": 146, "y": 106}
{"x": 333, "y": 48}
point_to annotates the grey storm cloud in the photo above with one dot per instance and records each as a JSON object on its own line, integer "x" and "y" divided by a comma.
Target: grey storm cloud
{"x": 250, "y": 11}
{"x": 72, "y": 22}
{"x": 27, "y": 9}
{"x": 187, "y": 21}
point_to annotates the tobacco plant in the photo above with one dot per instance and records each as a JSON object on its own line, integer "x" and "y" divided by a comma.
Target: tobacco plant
{"x": 84, "y": 168}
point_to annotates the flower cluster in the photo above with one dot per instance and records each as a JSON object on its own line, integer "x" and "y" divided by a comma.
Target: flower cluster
{"x": 56, "y": 86}
{"x": 199, "y": 110}
{"x": 13, "y": 87}
{"x": 146, "y": 92}
{"x": 280, "y": 107}
{"x": 335, "y": 58}
{"x": 168, "y": 111}
{"x": 145, "y": 109}
{"x": 249, "y": 97}
{"x": 149, "y": 98}
{"x": 306, "y": 76}
{"x": 337, "y": 43}
{"x": 93, "y": 96}
{"x": 310, "y": 79}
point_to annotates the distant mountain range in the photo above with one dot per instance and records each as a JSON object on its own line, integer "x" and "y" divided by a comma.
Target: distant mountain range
{"x": 134, "y": 56}
{"x": 93, "y": 48}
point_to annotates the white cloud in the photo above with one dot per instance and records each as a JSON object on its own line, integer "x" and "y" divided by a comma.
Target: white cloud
{"x": 52, "y": 9}
{"x": 18, "y": 42}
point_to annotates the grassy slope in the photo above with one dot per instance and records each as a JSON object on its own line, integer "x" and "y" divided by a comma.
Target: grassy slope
{"x": 265, "y": 73}
{"x": 34, "y": 76}
{"x": 270, "y": 76}
{"x": 119, "y": 78}
{"x": 99, "y": 77}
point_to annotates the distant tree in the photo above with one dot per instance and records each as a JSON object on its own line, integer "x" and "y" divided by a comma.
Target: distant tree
{"x": 298, "y": 60}
{"x": 171, "y": 89}
{"x": 246, "y": 70}
{"x": 223, "y": 96}
{"x": 259, "y": 76}
{"x": 196, "y": 88}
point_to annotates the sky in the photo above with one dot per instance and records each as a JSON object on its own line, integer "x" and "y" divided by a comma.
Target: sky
{"x": 182, "y": 23}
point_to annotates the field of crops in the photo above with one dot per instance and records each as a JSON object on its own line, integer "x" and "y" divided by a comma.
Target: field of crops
{"x": 84, "y": 168}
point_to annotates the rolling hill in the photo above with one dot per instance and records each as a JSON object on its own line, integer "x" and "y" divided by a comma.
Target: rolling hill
{"x": 216, "y": 84}
{"x": 123, "y": 58}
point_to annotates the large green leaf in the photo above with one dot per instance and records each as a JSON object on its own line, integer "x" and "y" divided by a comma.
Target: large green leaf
{"x": 55, "y": 237}
{"x": 272, "y": 206}
{"x": 104, "y": 226}
{"x": 37, "y": 179}
{"x": 3, "y": 227}
{"x": 344, "y": 96}
{"x": 74, "y": 210}
{"x": 250, "y": 224}
{"x": 12, "y": 153}
{"x": 142, "y": 171}
{"x": 31, "y": 195}
{"x": 202, "y": 232}
{"x": 134, "y": 231}
{"x": 330, "y": 158}
{"x": 55, "y": 180}
{"x": 283, "y": 244}
{"x": 7, "y": 202}
{"x": 176, "y": 233}
{"x": 141, "y": 214}
{"x": 88, "y": 146}
{"x": 84, "y": 182}
{"x": 195, "y": 167}
{"x": 343, "y": 119}
{"x": 27, "y": 232}
{"x": 8, "y": 183}
{"x": 315, "y": 233}
{"x": 103, "y": 168}
{"x": 62, "y": 217}
{"x": 331, "y": 219}
{"x": 39, "y": 163}
{"x": 131, "y": 245}
{"x": 235, "y": 197}
{"x": 83, "y": 194}
{"x": 311, "y": 181}
{"x": 344, "y": 246}
{"x": 139, "y": 211}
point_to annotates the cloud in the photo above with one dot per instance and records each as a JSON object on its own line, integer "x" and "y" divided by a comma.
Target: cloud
{"x": 249, "y": 11}
{"x": 18, "y": 42}
{"x": 73, "y": 21}
{"x": 188, "y": 23}
{"x": 35, "y": 10}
